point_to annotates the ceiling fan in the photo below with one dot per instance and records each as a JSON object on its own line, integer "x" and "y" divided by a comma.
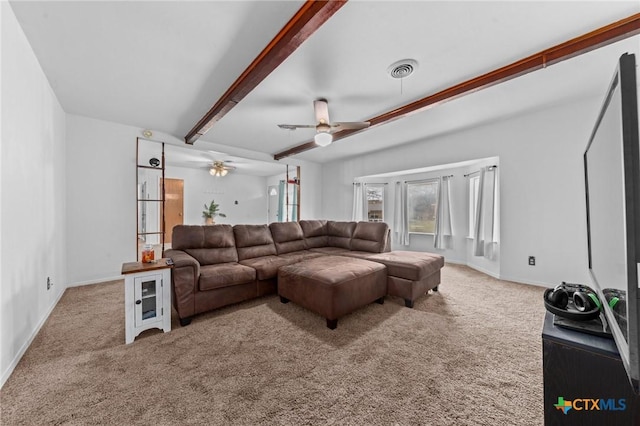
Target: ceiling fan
{"x": 218, "y": 168}
{"x": 324, "y": 127}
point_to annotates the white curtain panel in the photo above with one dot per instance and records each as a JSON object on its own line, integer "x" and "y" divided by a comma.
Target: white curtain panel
{"x": 400, "y": 228}
{"x": 491, "y": 242}
{"x": 484, "y": 243}
{"x": 365, "y": 202}
{"x": 444, "y": 227}
{"x": 357, "y": 212}
{"x": 496, "y": 210}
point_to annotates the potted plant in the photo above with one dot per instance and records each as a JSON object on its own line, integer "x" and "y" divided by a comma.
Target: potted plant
{"x": 211, "y": 211}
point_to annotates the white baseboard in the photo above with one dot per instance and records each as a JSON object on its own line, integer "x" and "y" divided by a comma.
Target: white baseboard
{"x": 96, "y": 281}
{"x": 529, "y": 282}
{"x": 463, "y": 263}
{"x": 485, "y": 271}
{"x": 7, "y": 373}
{"x": 500, "y": 277}
{"x": 455, "y": 261}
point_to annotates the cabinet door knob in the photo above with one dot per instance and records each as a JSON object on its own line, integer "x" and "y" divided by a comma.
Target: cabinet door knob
{"x": 138, "y": 302}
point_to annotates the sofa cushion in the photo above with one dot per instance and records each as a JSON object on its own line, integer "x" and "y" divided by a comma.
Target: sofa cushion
{"x": 298, "y": 256}
{"x": 288, "y": 237}
{"x": 267, "y": 266}
{"x": 225, "y": 275}
{"x": 315, "y": 233}
{"x": 253, "y": 241}
{"x": 330, "y": 250}
{"x": 370, "y": 236}
{"x": 209, "y": 244}
{"x": 340, "y": 233}
{"x": 357, "y": 254}
{"x": 187, "y": 236}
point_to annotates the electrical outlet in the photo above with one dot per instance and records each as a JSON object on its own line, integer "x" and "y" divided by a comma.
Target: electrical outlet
{"x": 49, "y": 283}
{"x": 532, "y": 260}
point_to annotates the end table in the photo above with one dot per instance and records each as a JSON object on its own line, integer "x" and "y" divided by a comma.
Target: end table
{"x": 147, "y": 297}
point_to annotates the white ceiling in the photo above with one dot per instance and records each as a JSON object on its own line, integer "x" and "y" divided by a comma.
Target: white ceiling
{"x": 193, "y": 157}
{"x": 162, "y": 65}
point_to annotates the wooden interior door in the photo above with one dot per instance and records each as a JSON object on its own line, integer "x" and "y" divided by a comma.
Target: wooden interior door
{"x": 174, "y": 206}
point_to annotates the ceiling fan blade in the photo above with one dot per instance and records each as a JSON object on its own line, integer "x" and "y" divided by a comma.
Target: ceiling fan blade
{"x": 296, "y": 126}
{"x": 350, "y": 125}
{"x": 321, "y": 108}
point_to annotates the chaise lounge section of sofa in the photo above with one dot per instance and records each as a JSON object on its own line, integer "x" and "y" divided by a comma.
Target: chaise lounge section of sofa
{"x": 219, "y": 265}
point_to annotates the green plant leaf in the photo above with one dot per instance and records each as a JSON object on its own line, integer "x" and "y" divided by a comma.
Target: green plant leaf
{"x": 212, "y": 210}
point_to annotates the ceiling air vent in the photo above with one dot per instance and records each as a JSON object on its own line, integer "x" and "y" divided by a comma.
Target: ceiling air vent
{"x": 403, "y": 68}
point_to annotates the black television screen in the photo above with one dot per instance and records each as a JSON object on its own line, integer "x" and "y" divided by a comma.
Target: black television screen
{"x": 612, "y": 182}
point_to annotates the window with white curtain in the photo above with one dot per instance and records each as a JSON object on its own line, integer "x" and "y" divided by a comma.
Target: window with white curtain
{"x": 485, "y": 235}
{"x": 422, "y": 206}
{"x": 375, "y": 203}
{"x": 474, "y": 181}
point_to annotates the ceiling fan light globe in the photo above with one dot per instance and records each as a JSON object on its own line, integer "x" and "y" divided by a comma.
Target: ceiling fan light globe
{"x": 218, "y": 169}
{"x": 323, "y": 139}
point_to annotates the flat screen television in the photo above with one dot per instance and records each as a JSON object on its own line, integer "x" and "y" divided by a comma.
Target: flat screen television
{"x": 612, "y": 183}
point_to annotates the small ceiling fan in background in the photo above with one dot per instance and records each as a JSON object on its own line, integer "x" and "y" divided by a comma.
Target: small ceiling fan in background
{"x": 324, "y": 127}
{"x": 219, "y": 168}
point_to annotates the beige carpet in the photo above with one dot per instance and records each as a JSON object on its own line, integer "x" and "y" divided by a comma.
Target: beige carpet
{"x": 467, "y": 355}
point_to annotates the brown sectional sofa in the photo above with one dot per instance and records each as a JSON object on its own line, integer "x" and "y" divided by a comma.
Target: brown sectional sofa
{"x": 218, "y": 265}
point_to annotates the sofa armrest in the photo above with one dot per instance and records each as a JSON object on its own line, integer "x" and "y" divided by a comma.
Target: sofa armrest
{"x": 387, "y": 244}
{"x": 184, "y": 281}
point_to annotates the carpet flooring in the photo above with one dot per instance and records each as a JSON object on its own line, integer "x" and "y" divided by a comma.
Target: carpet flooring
{"x": 469, "y": 354}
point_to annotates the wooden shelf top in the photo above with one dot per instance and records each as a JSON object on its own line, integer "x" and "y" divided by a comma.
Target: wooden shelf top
{"x": 133, "y": 267}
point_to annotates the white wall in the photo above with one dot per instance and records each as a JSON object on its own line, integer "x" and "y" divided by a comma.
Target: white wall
{"x": 101, "y": 197}
{"x": 32, "y": 178}
{"x": 311, "y": 190}
{"x": 541, "y": 185}
{"x": 200, "y": 188}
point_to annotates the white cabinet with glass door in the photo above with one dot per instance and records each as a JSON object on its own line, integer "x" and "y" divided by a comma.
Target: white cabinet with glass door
{"x": 147, "y": 297}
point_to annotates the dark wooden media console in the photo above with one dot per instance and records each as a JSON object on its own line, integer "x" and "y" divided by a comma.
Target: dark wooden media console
{"x": 586, "y": 372}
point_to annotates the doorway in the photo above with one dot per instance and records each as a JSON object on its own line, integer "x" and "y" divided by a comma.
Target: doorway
{"x": 173, "y": 206}
{"x": 274, "y": 205}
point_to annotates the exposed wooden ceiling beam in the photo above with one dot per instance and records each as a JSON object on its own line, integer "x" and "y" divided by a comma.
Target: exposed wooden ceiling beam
{"x": 311, "y": 16}
{"x": 603, "y": 36}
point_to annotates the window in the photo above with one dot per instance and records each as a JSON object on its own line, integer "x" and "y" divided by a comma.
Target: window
{"x": 375, "y": 203}
{"x": 474, "y": 183}
{"x": 422, "y": 206}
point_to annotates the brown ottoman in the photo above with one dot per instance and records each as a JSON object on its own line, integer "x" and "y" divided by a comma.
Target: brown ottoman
{"x": 410, "y": 274}
{"x": 332, "y": 286}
